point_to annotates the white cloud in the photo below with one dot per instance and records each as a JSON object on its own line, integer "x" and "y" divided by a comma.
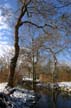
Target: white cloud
{"x": 3, "y": 24}
{"x": 5, "y": 49}
{"x": 5, "y": 32}
{"x": 5, "y": 16}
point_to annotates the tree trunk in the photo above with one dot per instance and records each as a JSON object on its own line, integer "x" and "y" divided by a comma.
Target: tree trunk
{"x": 14, "y": 59}
{"x": 16, "y": 46}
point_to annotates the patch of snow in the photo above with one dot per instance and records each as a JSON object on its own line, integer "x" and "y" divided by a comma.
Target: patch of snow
{"x": 64, "y": 84}
{"x": 29, "y": 79}
{"x": 20, "y": 98}
{"x": 23, "y": 98}
{"x": 2, "y": 86}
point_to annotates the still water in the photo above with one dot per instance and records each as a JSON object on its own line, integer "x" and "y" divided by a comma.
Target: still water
{"x": 61, "y": 102}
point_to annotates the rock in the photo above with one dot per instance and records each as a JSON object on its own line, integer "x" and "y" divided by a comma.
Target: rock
{"x": 3, "y": 100}
{"x": 26, "y": 100}
{"x": 2, "y": 104}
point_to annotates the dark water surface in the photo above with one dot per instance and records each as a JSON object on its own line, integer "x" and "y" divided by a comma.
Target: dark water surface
{"x": 61, "y": 102}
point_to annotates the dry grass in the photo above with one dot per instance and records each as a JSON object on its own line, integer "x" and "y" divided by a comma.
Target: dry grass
{"x": 5, "y": 74}
{"x": 62, "y": 76}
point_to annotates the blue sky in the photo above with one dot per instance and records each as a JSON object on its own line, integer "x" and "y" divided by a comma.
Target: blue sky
{"x": 6, "y": 31}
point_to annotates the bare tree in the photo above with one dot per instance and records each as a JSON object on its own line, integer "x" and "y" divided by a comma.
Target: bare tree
{"x": 37, "y": 11}
{"x": 19, "y": 23}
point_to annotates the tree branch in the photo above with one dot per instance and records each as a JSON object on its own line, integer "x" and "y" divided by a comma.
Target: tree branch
{"x": 23, "y": 10}
{"x": 54, "y": 55}
{"x": 60, "y": 50}
{"x": 36, "y": 25}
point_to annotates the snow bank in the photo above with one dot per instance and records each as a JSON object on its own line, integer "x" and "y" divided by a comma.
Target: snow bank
{"x": 64, "y": 84}
{"x": 19, "y": 98}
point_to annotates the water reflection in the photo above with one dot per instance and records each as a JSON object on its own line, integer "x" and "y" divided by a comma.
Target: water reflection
{"x": 61, "y": 102}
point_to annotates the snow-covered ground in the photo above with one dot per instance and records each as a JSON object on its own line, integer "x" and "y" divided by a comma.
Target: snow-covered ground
{"x": 60, "y": 84}
{"x": 30, "y": 80}
{"x": 19, "y": 93}
{"x": 2, "y": 86}
{"x": 24, "y": 98}
{"x": 20, "y": 98}
{"x": 64, "y": 84}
